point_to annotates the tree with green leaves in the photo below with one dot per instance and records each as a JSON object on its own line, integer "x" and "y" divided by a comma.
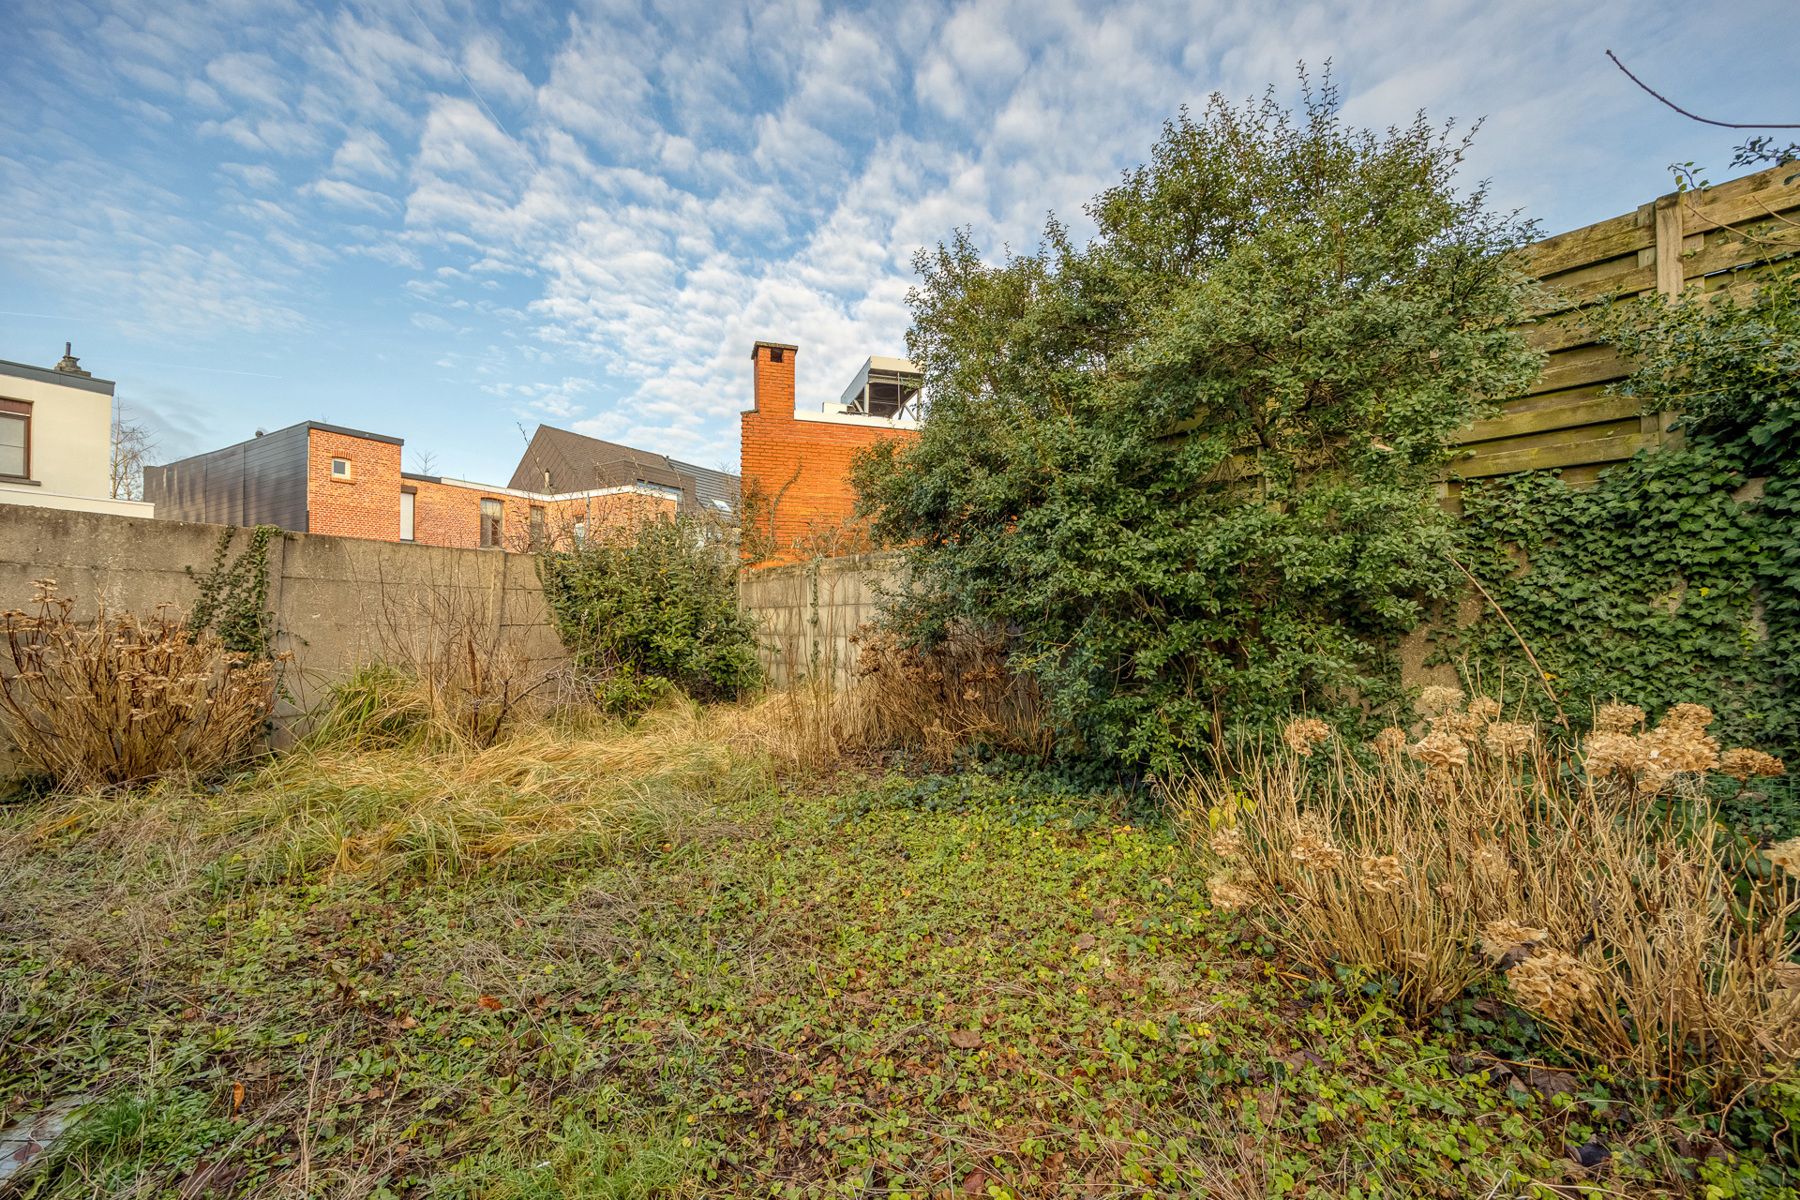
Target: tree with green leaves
{"x": 1190, "y": 465}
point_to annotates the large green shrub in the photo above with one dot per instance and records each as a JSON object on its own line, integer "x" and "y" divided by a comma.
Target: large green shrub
{"x": 1675, "y": 576}
{"x": 654, "y": 608}
{"x": 1190, "y": 465}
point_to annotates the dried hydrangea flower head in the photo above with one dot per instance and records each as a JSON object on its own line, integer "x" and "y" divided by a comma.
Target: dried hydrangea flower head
{"x": 1509, "y": 739}
{"x": 1438, "y": 699}
{"x": 1313, "y": 847}
{"x": 1491, "y": 867}
{"x": 1304, "y": 733}
{"x": 1785, "y": 855}
{"x": 1228, "y": 842}
{"x": 1390, "y": 742}
{"x": 1743, "y": 762}
{"x": 1381, "y": 874}
{"x": 1611, "y": 753}
{"x": 1484, "y": 708}
{"x": 1500, "y": 938}
{"x": 1553, "y": 985}
{"x": 1680, "y": 743}
{"x": 1440, "y": 748}
{"x": 1695, "y": 716}
{"x": 1227, "y": 893}
{"x": 1618, "y": 718}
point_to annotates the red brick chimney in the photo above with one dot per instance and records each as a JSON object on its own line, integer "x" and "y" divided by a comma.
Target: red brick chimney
{"x": 773, "y": 384}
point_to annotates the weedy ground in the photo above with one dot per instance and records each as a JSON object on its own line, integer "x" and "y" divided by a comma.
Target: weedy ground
{"x": 727, "y": 987}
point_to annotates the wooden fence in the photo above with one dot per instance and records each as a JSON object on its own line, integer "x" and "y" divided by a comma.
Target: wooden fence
{"x": 1702, "y": 238}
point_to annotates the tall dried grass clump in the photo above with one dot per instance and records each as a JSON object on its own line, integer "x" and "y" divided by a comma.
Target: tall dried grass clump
{"x": 1595, "y": 881}
{"x": 122, "y": 698}
{"x": 900, "y": 698}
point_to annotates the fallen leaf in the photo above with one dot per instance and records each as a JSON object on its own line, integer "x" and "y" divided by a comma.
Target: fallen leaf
{"x": 965, "y": 1039}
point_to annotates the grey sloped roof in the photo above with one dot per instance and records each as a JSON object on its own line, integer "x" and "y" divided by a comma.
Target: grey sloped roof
{"x": 560, "y": 460}
{"x": 716, "y": 490}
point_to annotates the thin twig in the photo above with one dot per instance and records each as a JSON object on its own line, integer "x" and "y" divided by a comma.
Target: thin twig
{"x": 1692, "y": 116}
{"x": 1562, "y": 718}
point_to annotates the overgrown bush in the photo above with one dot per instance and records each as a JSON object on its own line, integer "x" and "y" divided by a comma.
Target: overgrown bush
{"x": 1595, "y": 883}
{"x": 1675, "y": 577}
{"x": 650, "y": 610}
{"x": 122, "y": 699}
{"x": 1190, "y": 466}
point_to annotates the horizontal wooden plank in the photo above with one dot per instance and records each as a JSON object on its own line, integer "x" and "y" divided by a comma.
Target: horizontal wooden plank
{"x": 1725, "y": 250}
{"x": 1561, "y": 453}
{"x": 1576, "y": 368}
{"x": 1582, "y": 247}
{"x": 1564, "y": 331}
{"x": 1586, "y": 409}
{"x": 1753, "y": 196}
{"x": 1587, "y": 290}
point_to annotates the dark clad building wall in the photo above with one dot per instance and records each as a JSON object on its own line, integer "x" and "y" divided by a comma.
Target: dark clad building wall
{"x": 258, "y": 482}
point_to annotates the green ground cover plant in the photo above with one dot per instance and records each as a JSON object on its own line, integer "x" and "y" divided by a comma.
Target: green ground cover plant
{"x": 726, "y": 985}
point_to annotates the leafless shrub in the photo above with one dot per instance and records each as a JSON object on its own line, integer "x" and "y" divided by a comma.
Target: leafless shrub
{"x": 474, "y": 676}
{"x": 1595, "y": 882}
{"x": 121, "y": 698}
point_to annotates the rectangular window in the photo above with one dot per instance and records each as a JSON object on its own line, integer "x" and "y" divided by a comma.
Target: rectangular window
{"x": 537, "y": 527}
{"x": 340, "y": 468}
{"x": 407, "y": 500}
{"x": 492, "y": 512}
{"x": 15, "y": 439}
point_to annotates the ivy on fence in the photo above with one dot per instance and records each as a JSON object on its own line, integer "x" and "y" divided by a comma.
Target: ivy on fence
{"x": 1676, "y": 576}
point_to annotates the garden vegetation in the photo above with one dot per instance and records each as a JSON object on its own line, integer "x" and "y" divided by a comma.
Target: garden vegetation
{"x": 1189, "y": 467}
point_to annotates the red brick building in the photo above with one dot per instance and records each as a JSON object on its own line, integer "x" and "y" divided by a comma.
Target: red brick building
{"x": 795, "y": 465}
{"x": 318, "y": 478}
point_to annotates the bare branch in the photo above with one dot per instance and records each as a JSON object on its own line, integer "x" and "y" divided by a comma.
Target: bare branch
{"x": 1695, "y": 116}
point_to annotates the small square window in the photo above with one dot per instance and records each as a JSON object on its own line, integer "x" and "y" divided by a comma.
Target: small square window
{"x": 340, "y": 468}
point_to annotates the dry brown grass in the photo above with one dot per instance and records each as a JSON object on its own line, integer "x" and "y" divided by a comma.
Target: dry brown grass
{"x": 122, "y": 698}
{"x": 927, "y": 703}
{"x": 1595, "y": 883}
{"x": 429, "y": 806}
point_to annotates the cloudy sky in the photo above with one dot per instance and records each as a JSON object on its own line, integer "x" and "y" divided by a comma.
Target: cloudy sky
{"x": 442, "y": 220}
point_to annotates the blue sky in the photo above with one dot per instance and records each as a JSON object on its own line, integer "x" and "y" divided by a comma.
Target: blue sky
{"x": 441, "y": 220}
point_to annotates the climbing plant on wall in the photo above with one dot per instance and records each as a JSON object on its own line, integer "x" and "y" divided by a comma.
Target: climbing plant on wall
{"x": 1676, "y": 576}
{"x": 234, "y": 595}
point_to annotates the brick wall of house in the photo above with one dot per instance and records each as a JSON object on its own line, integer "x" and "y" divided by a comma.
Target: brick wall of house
{"x": 367, "y": 505}
{"x": 797, "y": 473}
{"x": 448, "y": 514}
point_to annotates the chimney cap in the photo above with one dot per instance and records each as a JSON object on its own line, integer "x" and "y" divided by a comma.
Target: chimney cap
{"x": 70, "y": 365}
{"x": 788, "y": 346}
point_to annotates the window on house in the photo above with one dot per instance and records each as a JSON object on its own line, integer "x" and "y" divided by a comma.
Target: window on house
{"x": 340, "y": 468}
{"x": 407, "y": 499}
{"x": 15, "y": 439}
{"x": 537, "y": 527}
{"x": 492, "y": 512}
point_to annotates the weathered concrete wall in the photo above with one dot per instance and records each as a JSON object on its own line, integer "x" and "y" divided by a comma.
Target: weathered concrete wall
{"x": 806, "y": 613}
{"x": 338, "y": 602}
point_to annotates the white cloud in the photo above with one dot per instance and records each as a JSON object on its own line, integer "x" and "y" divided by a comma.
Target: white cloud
{"x": 351, "y": 196}
{"x": 613, "y": 204}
